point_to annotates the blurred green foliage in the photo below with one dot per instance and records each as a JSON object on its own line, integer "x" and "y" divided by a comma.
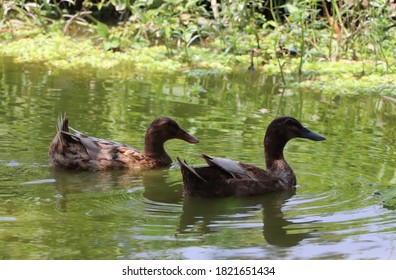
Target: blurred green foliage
{"x": 363, "y": 31}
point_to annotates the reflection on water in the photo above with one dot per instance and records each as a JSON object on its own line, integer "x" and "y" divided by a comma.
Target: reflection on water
{"x": 276, "y": 229}
{"x": 58, "y": 214}
{"x": 159, "y": 195}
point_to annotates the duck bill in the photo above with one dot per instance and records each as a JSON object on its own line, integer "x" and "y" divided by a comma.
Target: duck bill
{"x": 306, "y": 133}
{"x": 186, "y": 137}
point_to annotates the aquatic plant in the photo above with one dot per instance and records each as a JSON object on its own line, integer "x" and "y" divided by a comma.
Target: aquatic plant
{"x": 110, "y": 42}
{"x": 316, "y": 30}
{"x": 388, "y": 198}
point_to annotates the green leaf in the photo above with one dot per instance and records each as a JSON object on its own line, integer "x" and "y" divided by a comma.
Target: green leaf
{"x": 103, "y": 30}
{"x": 389, "y": 198}
{"x": 106, "y": 45}
{"x": 192, "y": 40}
{"x": 112, "y": 44}
{"x": 115, "y": 43}
{"x": 292, "y": 9}
{"x": 272, "y": 23}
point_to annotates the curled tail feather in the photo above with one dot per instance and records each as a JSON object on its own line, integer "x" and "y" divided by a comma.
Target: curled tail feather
{"x": 63, "y": 123}
{"x": 185, "y": 168}
{"x": 63, "y": 135}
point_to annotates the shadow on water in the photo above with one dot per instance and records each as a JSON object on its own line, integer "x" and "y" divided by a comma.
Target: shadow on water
{"x": 276, "y": 229}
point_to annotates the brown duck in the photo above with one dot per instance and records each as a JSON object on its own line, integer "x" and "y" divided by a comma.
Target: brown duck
{"x": 79, "y": 151}
{"x": 224, "y": 177}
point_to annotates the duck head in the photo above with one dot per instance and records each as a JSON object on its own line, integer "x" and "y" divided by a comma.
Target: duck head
{"x": 164, "y": 129}
{"x": 283, "y": 129}
{"x": 160, "y": 131}
{"x": 279, "y": 132}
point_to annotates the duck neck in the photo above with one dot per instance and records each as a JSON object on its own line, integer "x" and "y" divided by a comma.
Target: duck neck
{"x": 154, "y": 149}
{"x": 276, "y": 163}
{"x": 273, "y": 152}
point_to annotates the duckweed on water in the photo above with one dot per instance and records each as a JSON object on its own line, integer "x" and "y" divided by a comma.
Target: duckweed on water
{"x": 57, "y": 51}
{"x": 357, "y": 78}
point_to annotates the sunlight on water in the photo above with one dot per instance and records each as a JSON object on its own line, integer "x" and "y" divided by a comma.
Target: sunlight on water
{"x": 335, "y": 212}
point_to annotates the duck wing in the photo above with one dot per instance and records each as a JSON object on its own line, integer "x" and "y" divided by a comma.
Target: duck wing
{"x": 108, "y": 154}
{"x": 248, "y": 187}
{"x": 100, "y": 148}
{"x": 246, "y": 179}
{"x": 236, "y": 169}
{"x": 207, "y": 181}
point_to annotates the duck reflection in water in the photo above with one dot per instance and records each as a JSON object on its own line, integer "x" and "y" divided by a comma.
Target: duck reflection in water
{"x": 203, "y": 215}
{"x": 158, "y": 184}
{"x": 199, "y": 215}
{"x": 72, "y": 182}
{"x": 162, "y": 185}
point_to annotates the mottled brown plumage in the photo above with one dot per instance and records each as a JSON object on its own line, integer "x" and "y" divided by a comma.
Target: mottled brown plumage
{"x": 224, "y": 177}
{"x": 79, "y": 151}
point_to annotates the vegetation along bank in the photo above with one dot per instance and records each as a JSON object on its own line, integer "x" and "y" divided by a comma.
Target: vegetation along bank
{"x": 338, "y": 46}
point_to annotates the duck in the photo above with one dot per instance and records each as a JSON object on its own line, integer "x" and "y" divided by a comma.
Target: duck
{"x": 71, "y": 149}
{"x": 224, "y": 177}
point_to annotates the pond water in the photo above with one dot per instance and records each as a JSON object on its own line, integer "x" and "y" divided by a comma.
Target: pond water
{"x": 335, "y": 212}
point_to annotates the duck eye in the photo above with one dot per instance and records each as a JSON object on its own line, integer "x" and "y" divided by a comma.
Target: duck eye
{"x": 290, "y": 122}
{"x": 172, "y": 126}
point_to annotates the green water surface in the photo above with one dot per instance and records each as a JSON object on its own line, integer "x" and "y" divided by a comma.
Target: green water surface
{"x": 54, "y": 214}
